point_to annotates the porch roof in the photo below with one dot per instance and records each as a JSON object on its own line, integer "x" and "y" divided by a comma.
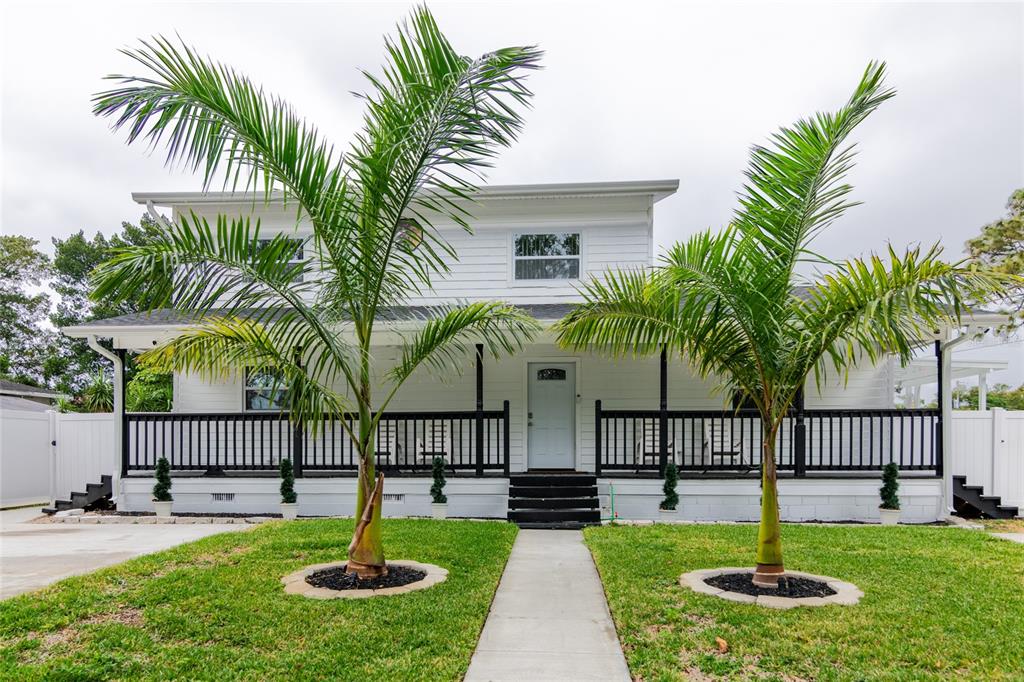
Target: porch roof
{"x": 170, "y": 319}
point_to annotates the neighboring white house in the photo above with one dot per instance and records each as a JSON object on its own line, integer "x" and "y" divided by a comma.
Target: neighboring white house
{"x": 542, "y": 410}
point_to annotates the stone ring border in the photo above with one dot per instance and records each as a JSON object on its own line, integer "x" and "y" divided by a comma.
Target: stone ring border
{"x": 295, "y": 583}
{"x": 847, "y": 594}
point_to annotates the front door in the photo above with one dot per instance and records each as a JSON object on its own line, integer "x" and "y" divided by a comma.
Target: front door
{"x": 551, "y": 415}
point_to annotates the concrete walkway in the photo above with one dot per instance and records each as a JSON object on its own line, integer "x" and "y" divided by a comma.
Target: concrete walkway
{"x": 33, "y": 555}
{"x": 1012, "y": 537}
{"x": 549, "y": 620}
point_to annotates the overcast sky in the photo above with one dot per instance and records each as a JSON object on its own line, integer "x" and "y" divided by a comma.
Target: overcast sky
{"x": 630, "y": 90}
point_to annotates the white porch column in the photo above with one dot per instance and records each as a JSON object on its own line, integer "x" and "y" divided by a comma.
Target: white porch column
{"x": 946, "y": 406}
{"x": 118, "y": 416}
{"x": 983, "y": 391}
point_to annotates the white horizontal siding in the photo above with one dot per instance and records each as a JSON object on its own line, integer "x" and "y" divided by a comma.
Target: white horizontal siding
{"x": 615, "y": 232}
{"x": 193, "y": 394}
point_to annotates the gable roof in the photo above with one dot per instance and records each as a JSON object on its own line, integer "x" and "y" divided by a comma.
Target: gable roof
{"x": 656, "y": 189}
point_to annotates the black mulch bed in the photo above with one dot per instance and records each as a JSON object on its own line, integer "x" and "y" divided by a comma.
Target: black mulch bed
{"x": 789, "y": 586}
{"x": 337, "y": 579}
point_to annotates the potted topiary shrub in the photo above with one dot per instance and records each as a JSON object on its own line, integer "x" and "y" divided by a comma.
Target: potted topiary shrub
{"x": 889, "y": 510}
{"x": 439, "y": 507}
{"x": 289, "y": 500}
{"x": 162, "y": 499}
{"x": 671, "y": 501}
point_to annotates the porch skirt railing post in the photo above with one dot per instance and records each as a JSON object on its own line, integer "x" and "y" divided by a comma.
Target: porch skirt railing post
{"x": 662, "y": 440}
{"x": 479, "y": 423}
{"x": 598, "y": 450}
{"x": 799, "y": 436}
{"x": 298, "y": 445}
{"x": 505, "y": 439}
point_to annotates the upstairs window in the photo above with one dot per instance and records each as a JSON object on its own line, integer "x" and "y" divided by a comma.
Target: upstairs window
{"x": 547, "y": 256}
{"x": 265, "y": 390}
{"x": 296, "y": 257}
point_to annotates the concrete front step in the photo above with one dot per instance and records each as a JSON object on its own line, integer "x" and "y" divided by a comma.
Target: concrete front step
{"x": 553, "y": 515}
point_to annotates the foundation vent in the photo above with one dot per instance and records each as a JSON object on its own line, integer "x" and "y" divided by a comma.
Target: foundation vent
{"x": 223, "y": 497}
{"x": 394, "y": 497}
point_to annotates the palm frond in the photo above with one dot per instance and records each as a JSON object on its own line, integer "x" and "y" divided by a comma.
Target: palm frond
{"x": 795, "y": 186}
{"x": 873, "y": 306}
{"x": 219, "y": 348}
{"x": 212, "y": 118}
{"x": 447, "y": 338}
{"x": 435, "y": 120}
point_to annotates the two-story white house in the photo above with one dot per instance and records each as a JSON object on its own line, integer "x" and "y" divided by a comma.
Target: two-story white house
{"x": 545, "y": 436}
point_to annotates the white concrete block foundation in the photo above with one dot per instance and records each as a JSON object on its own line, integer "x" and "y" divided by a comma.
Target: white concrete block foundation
{"x": 467, "y": 497}
{"x": 808, "y": 499}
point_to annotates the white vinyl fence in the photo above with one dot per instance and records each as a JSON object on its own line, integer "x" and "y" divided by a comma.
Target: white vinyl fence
{"x": 988, "y": 448}
{"x": 24, "y": 457}
{"x": 45, "y": 455}
{"x": 84, "y": 451}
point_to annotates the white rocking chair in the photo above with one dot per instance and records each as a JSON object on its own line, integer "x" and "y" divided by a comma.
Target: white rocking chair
{"x": 387, "y": 443}
{"x": 721, "y": 445}
{"x": 647, "y": 449}
{"x": 436, "y": 441}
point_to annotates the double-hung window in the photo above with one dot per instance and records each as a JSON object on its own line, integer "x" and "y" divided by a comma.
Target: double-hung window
{"x": 546, "y": 256}
{"x": 296, "y": 256}
{"x": 265, "y": 390}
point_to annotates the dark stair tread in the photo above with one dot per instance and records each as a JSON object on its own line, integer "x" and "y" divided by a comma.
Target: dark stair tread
{"x": 94, "y": 493}
{"x": 553, "y": 491}
{"x": 974, "y": 496}
{"x": 552, "y": 502}
{"x": 552, "y": 480}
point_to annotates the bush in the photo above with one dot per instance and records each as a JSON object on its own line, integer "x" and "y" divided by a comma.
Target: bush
{"x": 671, "y": 479}
{"x": 288, "y": 495}
{"x": 150, "y": 391}
{"x": 890, "y": 486}
{"x": 98, "y": 394}
{"x": 437, "y": 490}
{"x": 162, "y": 489}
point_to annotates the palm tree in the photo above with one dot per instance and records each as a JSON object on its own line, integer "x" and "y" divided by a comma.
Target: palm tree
{"x": 434, "y": 122}
{"x": 735, "y": 302}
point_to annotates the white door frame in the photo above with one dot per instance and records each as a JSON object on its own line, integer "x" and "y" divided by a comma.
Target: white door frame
{"x": 577, "y": 437}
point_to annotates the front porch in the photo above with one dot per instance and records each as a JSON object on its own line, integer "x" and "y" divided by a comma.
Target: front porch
{"x": 547, "y": 409}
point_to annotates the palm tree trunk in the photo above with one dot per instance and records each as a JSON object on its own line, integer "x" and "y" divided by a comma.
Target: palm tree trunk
{"x": 366, "y": 551}
{"x": 769, "y": 533}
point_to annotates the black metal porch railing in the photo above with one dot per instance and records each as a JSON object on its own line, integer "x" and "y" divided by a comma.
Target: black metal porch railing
{"x": 474, "y": 441}
{"x": 708, "y": 441}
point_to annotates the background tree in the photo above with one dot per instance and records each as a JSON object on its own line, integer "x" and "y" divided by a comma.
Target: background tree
{"x": 73, "y": 363}
{"x": 999, "y": 395}
{"x": 150, "y": 391}
{"x": 24, "y": 342}
{"x": 434, "y": 121}
{"x": 1001, "y": 246}
{"x": 736, "y": 304}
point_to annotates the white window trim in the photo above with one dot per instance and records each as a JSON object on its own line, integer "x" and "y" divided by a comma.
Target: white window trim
{"x": 550, "y": 281}
{"x": 245, "y": 391}
{"x": 301, "y": 239}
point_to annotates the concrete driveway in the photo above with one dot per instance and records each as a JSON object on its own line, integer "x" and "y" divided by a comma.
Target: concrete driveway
{"x": 33, "y": 555}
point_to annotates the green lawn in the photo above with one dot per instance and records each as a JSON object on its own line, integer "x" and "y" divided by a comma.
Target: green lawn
{"x": 940, "y": 603}
{"x": 215, "y": 609}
